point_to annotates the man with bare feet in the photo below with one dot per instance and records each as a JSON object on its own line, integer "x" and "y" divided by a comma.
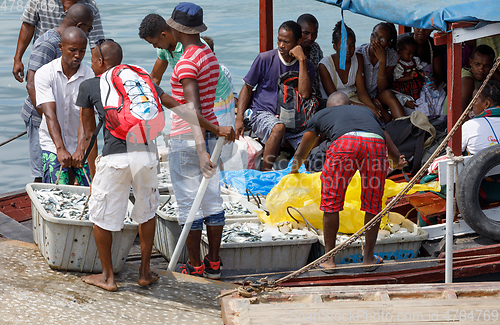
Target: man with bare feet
{"x": 119, "y": 167}
{"x": 359, "y": 142}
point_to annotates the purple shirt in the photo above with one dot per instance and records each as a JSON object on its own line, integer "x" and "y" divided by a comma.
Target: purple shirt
{"x": 264, "y": 74}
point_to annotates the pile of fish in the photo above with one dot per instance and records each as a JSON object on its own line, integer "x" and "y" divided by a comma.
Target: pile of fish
{"x": 68, "y": 205}
{"x": 245, "y": 232}
{"x": 171, "y": 209}
{"x": 164, "y": 178}
{"x": 391, "y": 230}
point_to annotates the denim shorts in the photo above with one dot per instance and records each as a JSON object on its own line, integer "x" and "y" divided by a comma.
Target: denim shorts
{"x": 217, "y": 219}
{"x": 186, "y": 177}
{"x": 35, "y": 149}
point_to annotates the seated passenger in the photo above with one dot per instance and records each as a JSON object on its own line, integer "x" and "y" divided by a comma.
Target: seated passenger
{"x": 349, "y": 81}
{"x": 430, "y": 53}
{"x": 483, "y": 129}
{"x": 263, "y": 76}
{"x": 481, "y": 62}
{"x": 380, "y": 58}
{"x": 409, "y": 85}
{"x": 312, "y": 50}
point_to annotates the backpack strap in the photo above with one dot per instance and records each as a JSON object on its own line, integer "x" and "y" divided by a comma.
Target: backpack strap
{"x": 403, "y": 135}
{"x": 492, "y": 129}
{"x": 419, "y": 152}
{"x": 92, "y": 141}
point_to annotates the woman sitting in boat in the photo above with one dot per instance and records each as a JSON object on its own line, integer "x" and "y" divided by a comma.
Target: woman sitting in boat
{"x": 380, "y": 59}
{"x": 349, "y": 81}
{"x": 483, "y": 129}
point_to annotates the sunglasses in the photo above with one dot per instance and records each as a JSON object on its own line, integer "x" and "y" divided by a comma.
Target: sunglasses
{"x": 381, "y": 39}
{"x": 99, "y": 42}
{"x": 89, "y": 26}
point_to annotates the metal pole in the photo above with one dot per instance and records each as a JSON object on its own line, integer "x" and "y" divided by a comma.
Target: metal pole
{"x": 194, "y": 208}
{"x": 450, "y": 185}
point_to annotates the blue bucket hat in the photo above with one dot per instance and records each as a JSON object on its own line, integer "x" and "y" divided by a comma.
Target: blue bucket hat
{"x": 187, "y": 18}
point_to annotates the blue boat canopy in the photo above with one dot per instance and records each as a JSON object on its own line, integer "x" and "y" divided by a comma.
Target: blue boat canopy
{"x": 430, "y": 14}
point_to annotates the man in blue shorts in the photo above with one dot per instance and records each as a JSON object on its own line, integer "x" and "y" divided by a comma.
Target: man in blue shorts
{"x": 263, "y": 76}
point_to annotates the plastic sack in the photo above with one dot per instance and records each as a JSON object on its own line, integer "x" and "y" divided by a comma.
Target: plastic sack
{"x": 246, "y": 151}
{"x": 303, "y": 192}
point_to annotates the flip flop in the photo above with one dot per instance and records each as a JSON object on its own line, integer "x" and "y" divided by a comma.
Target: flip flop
{"x": 326, "y": 270}
{"x": 371, "y": 268}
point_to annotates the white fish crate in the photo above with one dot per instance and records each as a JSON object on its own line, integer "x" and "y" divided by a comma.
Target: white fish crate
{"x": 400, "y": 247}
{"x": 263, "y": 255}
{"x": 168, "y": 230}
{"x": 68, "y": 244}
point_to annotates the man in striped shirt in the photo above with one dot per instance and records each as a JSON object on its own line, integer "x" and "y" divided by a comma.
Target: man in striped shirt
{"x": 194, "y": 81}
{"x": 41, "y": 15}
{"x": 46, "y": 49}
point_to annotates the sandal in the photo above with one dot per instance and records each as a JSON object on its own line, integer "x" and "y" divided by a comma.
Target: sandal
{"x": 373, "y": 267}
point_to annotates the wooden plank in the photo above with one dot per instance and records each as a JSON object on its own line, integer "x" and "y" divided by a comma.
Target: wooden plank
{"x": 408, "y": 304}
{"x": 454, "y": 92}
{"x": 464, "y": 34}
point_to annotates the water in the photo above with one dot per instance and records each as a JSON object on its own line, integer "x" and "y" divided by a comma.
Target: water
{"x": 232, "y": 24}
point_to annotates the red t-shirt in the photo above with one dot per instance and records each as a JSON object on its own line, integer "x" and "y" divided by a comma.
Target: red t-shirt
{"x": 199, "y": 63}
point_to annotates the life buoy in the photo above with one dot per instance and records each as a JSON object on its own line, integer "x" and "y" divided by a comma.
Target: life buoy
{"x": 467, "y": 195}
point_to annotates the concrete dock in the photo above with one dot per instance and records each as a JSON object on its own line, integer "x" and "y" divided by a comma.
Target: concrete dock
{"x": 32, "y": 293}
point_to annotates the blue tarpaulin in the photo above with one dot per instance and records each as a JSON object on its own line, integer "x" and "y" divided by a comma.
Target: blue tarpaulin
{"x": 254, "y": 180}
{"x": 430, "y": 14}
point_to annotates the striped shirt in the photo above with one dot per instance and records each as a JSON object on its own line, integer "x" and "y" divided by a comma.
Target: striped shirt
{"x": 48, "y": 14}
{"x": 199, "y": 63}
{"x": 44, "y": 50}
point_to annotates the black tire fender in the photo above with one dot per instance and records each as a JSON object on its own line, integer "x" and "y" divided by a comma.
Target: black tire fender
{"x": 467, "y": 192}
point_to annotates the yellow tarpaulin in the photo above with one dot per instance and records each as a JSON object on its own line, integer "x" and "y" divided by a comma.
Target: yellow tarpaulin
{"x": 303, "y": 191}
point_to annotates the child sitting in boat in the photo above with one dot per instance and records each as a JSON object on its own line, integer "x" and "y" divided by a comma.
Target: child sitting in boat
{"x": 409, "y": 84}
{"x": 349, "y": 81}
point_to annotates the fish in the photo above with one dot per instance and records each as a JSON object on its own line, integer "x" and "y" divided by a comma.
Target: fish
{"x": 171, "y": 209}
{"x": 246, "y": 232}
{"x": 164, "y": 178}
{"x": 67, "y": 205}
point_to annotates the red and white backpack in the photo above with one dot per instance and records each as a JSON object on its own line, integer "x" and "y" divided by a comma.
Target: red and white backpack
{"x": 131, "y": 104}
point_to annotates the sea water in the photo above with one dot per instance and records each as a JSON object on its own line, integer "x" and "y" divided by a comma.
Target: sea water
{"x": 233, "y": 24}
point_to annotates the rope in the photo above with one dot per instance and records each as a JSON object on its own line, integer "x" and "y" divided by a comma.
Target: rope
{"x": 403, "y": 192}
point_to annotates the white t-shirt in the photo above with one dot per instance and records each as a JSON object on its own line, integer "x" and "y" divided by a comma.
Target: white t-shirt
{"x": 327, "y": 61}
{"x": 52, "y": 85}
{"x": 477, "y": 134}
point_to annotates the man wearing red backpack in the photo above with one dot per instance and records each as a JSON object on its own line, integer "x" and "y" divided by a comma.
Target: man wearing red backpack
{"x": 125, "y": 160}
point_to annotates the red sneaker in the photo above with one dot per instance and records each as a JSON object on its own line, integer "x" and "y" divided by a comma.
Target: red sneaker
{"x": 212, "y": 269}
{"x": 192, "y": 270}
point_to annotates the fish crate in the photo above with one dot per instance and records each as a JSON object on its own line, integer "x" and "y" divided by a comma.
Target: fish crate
{"x": 263, "y": 255}
{"x": 68, "y": 244}
{"x": 403, "y": 246}
{"x": 168, "y": 230}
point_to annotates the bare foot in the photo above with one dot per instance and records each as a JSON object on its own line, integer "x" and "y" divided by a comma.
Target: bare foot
{"x": 99, "y": 281}
{"x": 148, "y": 278}
{"x": 328, "y": 265}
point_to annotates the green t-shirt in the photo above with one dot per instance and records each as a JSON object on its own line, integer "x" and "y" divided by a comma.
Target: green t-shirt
{"x": 223, "y": 86}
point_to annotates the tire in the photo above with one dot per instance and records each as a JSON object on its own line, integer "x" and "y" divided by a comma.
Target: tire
{"x": 467, "y": 195}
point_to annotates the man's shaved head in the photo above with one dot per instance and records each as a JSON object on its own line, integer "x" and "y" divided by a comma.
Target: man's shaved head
{"x": 73, "y": 34}
{"x": 80, "y": 13}
{"x": 338, "y": 98}
{"x": 112, "y": 53}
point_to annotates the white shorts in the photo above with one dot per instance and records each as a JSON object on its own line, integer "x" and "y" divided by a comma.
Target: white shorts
{"x": 111, "y": 189}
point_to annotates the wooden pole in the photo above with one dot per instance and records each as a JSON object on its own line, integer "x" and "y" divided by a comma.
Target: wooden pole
{"x": 265, "y": 25}
{"x": 454, "y": 92}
